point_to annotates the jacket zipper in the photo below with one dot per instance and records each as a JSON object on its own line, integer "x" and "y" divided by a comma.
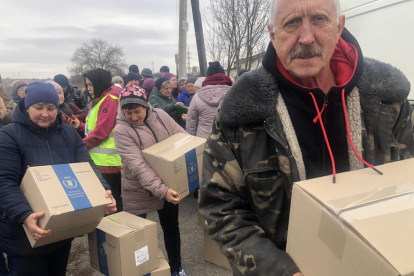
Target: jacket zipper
{"x": 153, "y": 133}
{"x": 48, "y": 146}
{"x": 326, "y": 101}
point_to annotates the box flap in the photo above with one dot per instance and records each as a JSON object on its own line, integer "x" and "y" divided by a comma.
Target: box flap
{"x": 123, "y": 223}
{"x": 174, "y": 146}
{"x": 376, "y": 207}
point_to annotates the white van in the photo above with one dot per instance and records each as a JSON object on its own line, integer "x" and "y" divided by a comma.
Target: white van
{"x": 385, "y": 31}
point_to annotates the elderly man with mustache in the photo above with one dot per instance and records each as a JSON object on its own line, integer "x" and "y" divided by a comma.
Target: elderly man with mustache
{"x": 316, "y": 107}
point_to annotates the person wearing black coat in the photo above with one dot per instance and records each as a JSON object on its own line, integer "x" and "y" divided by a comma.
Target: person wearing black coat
{"x": 73, "y": 95}
{"x": 36, "y": 137}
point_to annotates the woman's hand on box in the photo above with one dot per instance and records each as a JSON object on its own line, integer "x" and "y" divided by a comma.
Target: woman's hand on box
{"x": 110, "y": 208}
{"x": 31, "y": 224}
{"x": 173, "y": 197}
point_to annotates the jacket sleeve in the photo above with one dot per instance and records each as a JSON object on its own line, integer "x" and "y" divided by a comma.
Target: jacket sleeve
{"x": 403, "y": 130}
{"x": 131, "y": 155}
{"x": 12, "y": 200}
{"x": 6, "y": 118}
{"x": 169, "y": 108}
{"x": 225, "y": 203}
{"x": 79, "y": 113}
{"x": 192, "y": 117}
{"x": 82, "y": 155}
{"x": 181, "y": 98}
{"x": 153, "y": 101}
{"x": 173, "y": 125}
{"x": 108, "y": 111}
{"x": 80, "y": 98}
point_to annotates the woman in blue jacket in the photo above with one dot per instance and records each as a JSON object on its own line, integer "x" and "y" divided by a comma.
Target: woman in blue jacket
{"x": 36, "y": 137}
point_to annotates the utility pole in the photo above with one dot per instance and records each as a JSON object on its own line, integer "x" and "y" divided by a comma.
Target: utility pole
{"x": 198, "y": 26}
{"x": 183, "y": 28}
{"x": 188, "y": 61}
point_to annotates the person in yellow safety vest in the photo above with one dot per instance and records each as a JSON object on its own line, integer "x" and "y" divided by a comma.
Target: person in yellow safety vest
{"x": 99, "y": 127}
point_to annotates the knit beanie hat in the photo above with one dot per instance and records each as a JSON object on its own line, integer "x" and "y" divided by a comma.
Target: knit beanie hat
{"x": 146, "y": 72}
{"x": 182, "y": 79}
{"x": 149, "y": 84}
{"x": 214, "y": 68}
{"x": 17, "y": 84}
{"x": 241, "y": 72}
{"x": 165, "y": 69}
{"x": 159, "y": 82}
{"x": 131, "y": 76}
{"x": 39, "y": 92}
{"x": 56, "y": 85}
{"x": 199, "y": 82}
{"x": 133, "y": 94}
{"x": 62, "y": 80}
{"x": 168, "y": 75}
{"x": 133, "y": 68}
{"x": 117, "y": 78}
{"x": 191, "y": 80}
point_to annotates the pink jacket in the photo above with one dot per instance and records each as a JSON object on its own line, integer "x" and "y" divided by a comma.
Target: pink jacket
{"x": 142, "y": 189}
{"x": 203, "y": 109}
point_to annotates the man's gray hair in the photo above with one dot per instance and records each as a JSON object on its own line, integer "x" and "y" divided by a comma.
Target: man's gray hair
{"x": 273, "y": 11}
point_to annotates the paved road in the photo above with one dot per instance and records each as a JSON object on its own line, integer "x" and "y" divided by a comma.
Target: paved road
{"x": 191, "y": 246}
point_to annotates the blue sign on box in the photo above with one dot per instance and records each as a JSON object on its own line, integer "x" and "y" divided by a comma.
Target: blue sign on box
{"x": 72, "y": 187}
{"x": 192, "y": 170}
{"x": 102, "y": 257}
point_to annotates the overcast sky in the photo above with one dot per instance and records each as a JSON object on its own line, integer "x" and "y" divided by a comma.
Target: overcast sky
{"x": 38, "y": 38}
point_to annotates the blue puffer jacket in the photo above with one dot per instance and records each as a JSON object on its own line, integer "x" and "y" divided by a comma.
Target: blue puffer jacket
{"x": 22, "y": 144}
{"x": 185, "y": 98}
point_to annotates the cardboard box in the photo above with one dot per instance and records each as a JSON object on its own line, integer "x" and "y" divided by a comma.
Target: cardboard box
{"x": 178, "y": 161}
{"x": 212, "y": 252}
{"x": 202, "y": 221}
{"x": 164, "y": 269}
{"x": 70, "y": 195}
{"x": 124, "y": 245}
{"x": 362, "y": 225}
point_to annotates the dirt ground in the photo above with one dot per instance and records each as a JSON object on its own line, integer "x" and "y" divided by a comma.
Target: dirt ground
{"x": 191, "y": 246}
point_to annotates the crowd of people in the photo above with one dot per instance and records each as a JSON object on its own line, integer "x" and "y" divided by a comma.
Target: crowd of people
{"x": 108, "y": 126}
{"x": 315, "y": 107}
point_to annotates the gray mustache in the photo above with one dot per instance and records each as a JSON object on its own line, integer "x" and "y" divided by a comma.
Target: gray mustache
{"x": 306, "y": 53}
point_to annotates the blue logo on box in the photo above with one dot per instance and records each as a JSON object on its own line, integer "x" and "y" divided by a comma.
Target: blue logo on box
{"x": 72, "y": 187}
{"x": 70, "y": 183}
{"x": 192, "y": 170}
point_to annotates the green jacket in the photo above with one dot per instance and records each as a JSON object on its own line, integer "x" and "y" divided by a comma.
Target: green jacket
{"x": 252, "y": 158}
{"x": 158, "y": 100}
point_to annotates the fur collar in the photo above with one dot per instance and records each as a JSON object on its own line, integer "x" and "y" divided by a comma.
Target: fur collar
{"x": 253, "y": 97}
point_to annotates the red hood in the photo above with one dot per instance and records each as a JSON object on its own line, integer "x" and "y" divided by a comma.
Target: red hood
{"x": 343, "y": 64}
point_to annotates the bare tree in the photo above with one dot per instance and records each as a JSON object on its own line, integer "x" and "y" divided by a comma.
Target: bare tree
{"x": 237, "y": 31}
{"x": 255, "y": 13}
{"x": 95, "y": 54}
{"x": 215, "y": 46}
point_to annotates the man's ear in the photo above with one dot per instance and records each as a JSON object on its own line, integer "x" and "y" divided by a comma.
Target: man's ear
{"x": 270, "y": 29}
{"x": 341, "y": 25}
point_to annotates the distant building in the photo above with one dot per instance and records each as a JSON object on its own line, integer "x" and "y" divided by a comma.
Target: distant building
{"x": 256, "y": 63}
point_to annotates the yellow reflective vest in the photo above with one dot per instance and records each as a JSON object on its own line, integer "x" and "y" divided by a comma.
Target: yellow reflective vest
{"x": 105, "y": 154}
